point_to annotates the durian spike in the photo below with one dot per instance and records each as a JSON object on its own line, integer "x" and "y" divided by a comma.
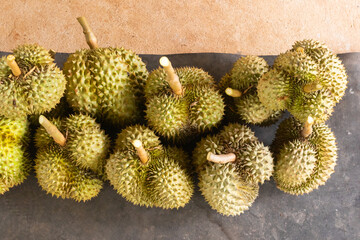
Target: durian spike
{"x": 232, "y": 92}
{"x": 52, "y": 130}
{"x": 172, "y": 78}
{"x": 221, "y": 158}
{"x": 52, "y": 53}
{"x": 10, "y": 60}
{"x": 312, "y": 87}
{"x": 300, "y": 50}
{"x": 307, "y": 127}
{"x": 141, "y": 152}
{"x": 89, "y": 35}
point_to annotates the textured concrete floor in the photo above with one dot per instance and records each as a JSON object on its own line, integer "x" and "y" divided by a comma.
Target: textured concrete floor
{"x": 181, "y": 26}
{"x": 332, "y": 212}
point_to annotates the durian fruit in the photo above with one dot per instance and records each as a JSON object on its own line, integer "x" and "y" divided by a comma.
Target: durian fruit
{"x": 147, "y": 174}
{"x": 30, "y": 82}
{"x": 71, "y": 156}
{"x": 239, "y": 90}
{"x": 230, "y": 165}
{"x": 182, "y": 103}
{"x": 307, "y": 80}
{"x": 14, "y": 162}
{"x": 106, "y": 83}
{"x": 305, "y": 155}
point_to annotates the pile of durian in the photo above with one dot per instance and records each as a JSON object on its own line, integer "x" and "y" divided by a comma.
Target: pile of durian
{"x": 105, "y": 118}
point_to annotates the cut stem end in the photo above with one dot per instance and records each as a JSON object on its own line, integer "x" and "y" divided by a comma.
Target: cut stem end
{"x": 141, "y": 152}
{"x": 52, "y": 130}
{"x": 232, "y": 92}
{"x": 10, "y": 60}
{"x": 221, "y": 158}
{"x": 171, "y": 77}
{"x": 307, "y": 127}
{"x": 89, "y": 35}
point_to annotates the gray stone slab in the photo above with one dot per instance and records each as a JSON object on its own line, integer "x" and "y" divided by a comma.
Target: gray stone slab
{"x": 331, "y": 212}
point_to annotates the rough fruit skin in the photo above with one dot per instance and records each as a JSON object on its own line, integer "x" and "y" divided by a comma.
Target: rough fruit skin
{"x": 181, "y": 118}
{"x": 308, "y": 62}
{"x": 164, "y": 181}
{"x": 244, "y": 77}
{"x": 58, "y": 176}
{"x": 224, "y": 190}
{"x": 14, "y": 160}
{"x": 75, "y": 170}
{"x": 231, "y": 188}
{"x": 37, "y": 89}
{"x": 289, "y": 145}
{"x": 87, "y": 145}
{"x": 106, "y": 83}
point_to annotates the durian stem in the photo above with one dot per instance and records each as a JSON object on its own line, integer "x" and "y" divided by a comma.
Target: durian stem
{"x": 141, "y": 152}
{"x": 232, "y": 92}
{"x": 312, "y": 87}
{"x": 52, "y": 130}
{"x": 172, "y": 78}
{"x": 221, "y": 158}
{"x": 307, "y": 127}
{"x": 10, "y": 60}
{"x": 89, "y": 35}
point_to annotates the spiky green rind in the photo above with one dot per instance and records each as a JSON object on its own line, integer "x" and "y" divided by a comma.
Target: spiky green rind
{"x": 296, "y": 162}
{"x": 38, "y": 88}
{"x": 225, "y": 190}
{"x": 169, "y": 116}
{"x": 315, "y": 49}
{"x": 206, "y": 109}
{"x": 247, "y": 71}
{"x": 86, "y": 144}
{"x": 181, "y": 118}
{"x": 58, "y": 176}
{"x": 14, "y": 160}
{"x": 127, "y": 175}
{"x": 319, "y": 105}
{"x": 168, "y": 183}
{"x": 274, "y": 90}
{"x": 190, "y": 78}
{"x": 322, "y": 141}
{"x": 252, "y": 111}
{"x": 29, "y": 55}
{"x": 255, "y": 163}
{"x": 137, "y": 132}
{"x": 236, "y": 135}
{"x": 107, "y": 83}
{"x": 297, "y": 64}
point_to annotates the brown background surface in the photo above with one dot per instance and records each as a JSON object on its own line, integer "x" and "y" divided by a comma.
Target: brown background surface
{"x": 174, "y": 26}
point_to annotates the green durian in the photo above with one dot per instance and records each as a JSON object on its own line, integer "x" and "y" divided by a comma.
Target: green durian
{"x": 71, "y": 156}
{"x": 307, "y": 80}
{"x": 14, "y": 160}
{"x": 182, "y": 103}
{"x": 239, "y": 90}
{"x": 305, "y": 156}
{"x": 230, "y": 166}
{"x": 30, "y": 82}
{"x": 106, "y": 83}
{"x": 149, "y": 174}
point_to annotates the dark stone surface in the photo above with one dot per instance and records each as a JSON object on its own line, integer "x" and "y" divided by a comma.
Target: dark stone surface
{"x": 331, "y": 212}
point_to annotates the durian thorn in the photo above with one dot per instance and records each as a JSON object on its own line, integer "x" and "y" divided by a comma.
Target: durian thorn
{"x": 10, "y": 60}
{"x": 172, "y": 78}
{"x": 221, "y": 158}
{"x": 141, "y": 152}
{"x": 89, "y": 35}
{"x": 307, "y": 130}
{"x": 232, "y": 92}
{"x": 300, "y": 50}
{"x": 52, "y": 130}
{"x": 312, "y": 87}
{"x": 52, "y": 53}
